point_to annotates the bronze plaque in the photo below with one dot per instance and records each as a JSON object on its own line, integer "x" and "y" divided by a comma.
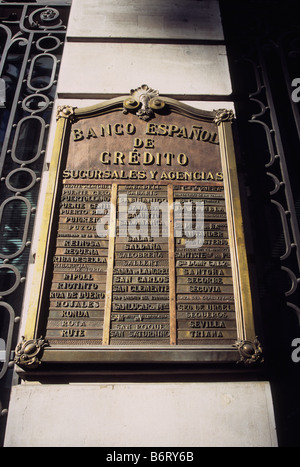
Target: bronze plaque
{"x": 164, "y": 288}
{"x": 143, "y": 245}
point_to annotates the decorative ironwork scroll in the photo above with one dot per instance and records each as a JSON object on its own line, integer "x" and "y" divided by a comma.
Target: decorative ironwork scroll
{"x": 265, "y": 63}
{"x": 31, "y": 44}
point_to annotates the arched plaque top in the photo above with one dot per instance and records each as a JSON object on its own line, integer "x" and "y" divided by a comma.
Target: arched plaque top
{"x": 144, "y": 102}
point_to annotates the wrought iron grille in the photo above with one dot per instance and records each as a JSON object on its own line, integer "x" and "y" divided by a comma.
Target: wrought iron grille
{"x": 31, "y": 43}
{"x": 263, "y": 43}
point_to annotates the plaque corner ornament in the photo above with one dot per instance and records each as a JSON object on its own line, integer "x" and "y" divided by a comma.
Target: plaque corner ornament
{"x": 143, "y": 101}
{"x": 223, "y": 115}
{"x": 251, "y": 352}
{"x": 65, "y": 111}
{"x": 28, "y": 353}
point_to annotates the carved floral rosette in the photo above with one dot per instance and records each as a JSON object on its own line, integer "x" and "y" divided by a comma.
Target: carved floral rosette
{"x": 250, "y": 352}
{"x": 223, "y": 115}
{"x": 28, "y": 353}
{"x": 65, "y": 111}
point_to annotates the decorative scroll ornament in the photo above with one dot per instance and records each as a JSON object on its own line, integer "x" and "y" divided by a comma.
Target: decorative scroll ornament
{"x": 223, "y": 115}
{"x": 250, "y": 352}
{"x": 45, "y": 18}
{"x": 144, "y": 101}
{"x": 28, "y": 353}
{"x": 65, "y": 111}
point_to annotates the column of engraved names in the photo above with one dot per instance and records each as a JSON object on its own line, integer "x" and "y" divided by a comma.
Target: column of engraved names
{"x": 78, "y": 286}
{"x": 204, "y": 286}
{"x": 140, "y": 304}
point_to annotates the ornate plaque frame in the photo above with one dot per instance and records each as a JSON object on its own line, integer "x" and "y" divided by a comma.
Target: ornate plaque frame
{"x": 34, "y": 350}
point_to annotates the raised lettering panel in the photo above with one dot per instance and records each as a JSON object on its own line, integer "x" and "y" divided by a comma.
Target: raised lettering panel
{"x": 150, "y": 282}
